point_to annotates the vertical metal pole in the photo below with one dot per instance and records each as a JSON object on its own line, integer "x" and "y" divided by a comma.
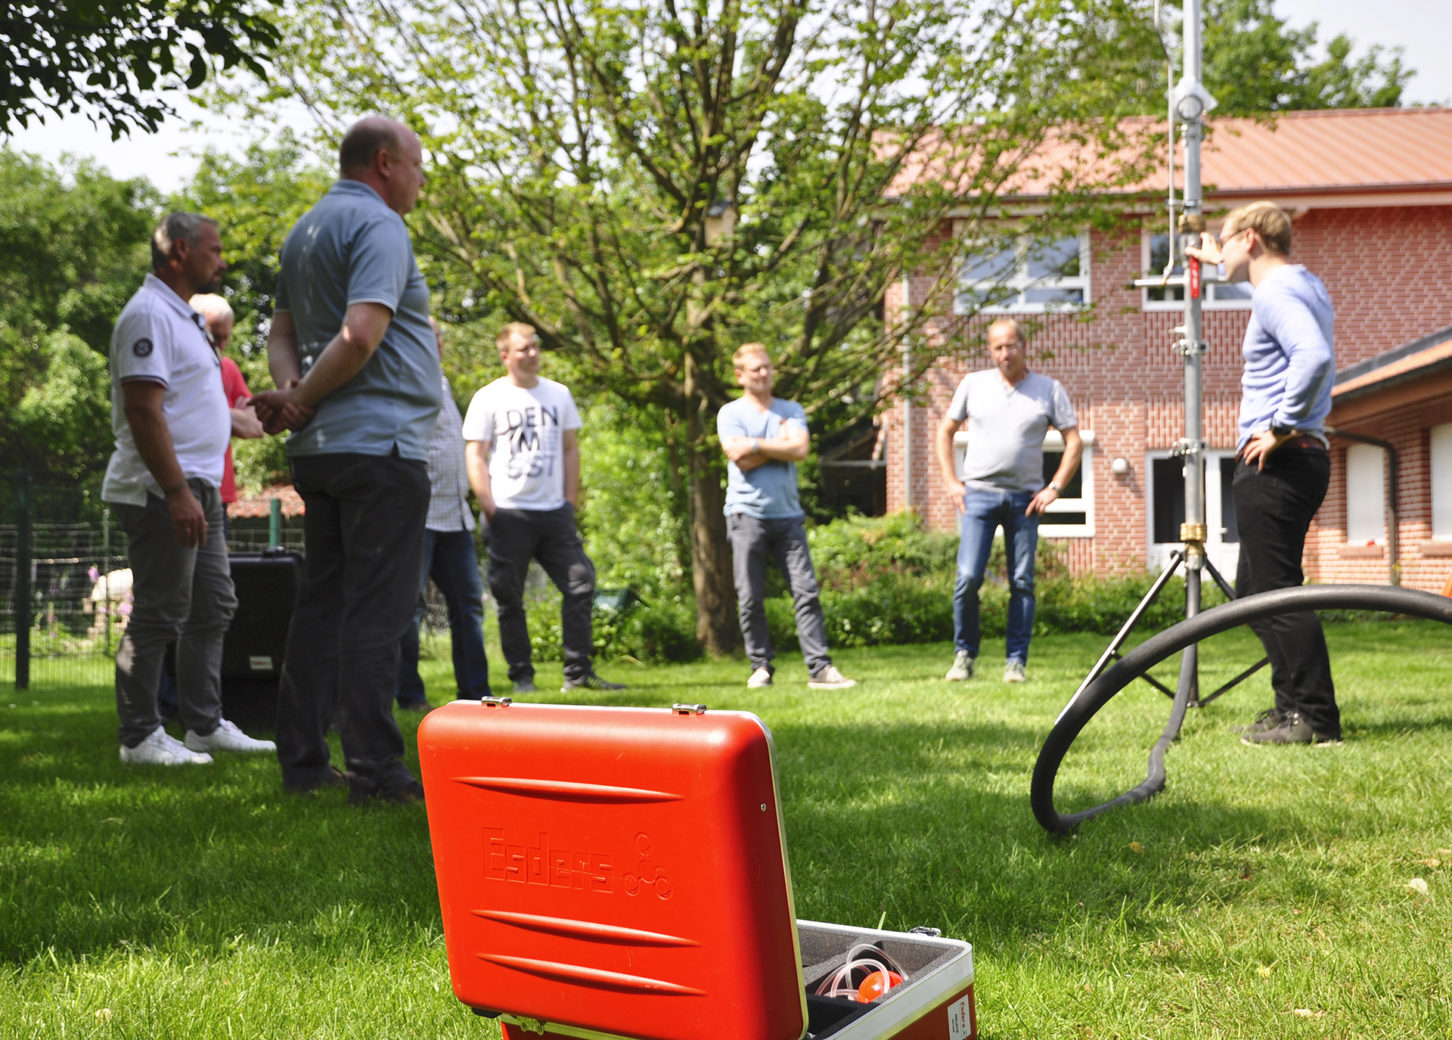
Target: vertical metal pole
{"x": 274, "y": 523}
{"x": 1191, "y": 101}
{"x": 24, "y": 504}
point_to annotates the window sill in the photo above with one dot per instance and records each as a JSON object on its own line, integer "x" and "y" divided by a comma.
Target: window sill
{"x": 1436, "y": 548}
{"x": 1362, "y": 552}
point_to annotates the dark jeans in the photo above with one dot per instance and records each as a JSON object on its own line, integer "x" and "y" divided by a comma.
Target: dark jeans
{"x": 1273, "y": 509}
{"x": 363, "y": 531}
{"x": 983, "y": 513}
{"x": 783, "y": 540}
{"x": 178, "y": 595}
{"x": 449, "y": 557}
{"x": 517, "y": 536}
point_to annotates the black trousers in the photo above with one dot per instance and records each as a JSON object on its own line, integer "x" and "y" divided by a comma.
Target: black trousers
{"x": 1273, "y": 509}
{"x": 517, "y": 536}
{"x": 364, "y": 536}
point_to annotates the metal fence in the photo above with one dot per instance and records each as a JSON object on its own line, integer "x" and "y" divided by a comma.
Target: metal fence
{"x": 64, "y": 583}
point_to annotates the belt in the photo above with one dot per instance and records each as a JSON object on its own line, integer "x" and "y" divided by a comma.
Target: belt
{"x": 1303, "y": 442}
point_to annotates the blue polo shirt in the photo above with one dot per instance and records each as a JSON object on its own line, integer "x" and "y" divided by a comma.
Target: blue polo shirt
{"x": 351, "y": 248}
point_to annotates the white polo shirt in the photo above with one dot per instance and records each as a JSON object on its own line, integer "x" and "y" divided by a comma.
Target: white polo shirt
{"x": 160, "y": 339}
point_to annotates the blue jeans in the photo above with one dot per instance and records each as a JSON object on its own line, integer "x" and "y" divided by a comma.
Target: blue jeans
{"x": 983, "y": 512}
{"x": 449, "y": 557}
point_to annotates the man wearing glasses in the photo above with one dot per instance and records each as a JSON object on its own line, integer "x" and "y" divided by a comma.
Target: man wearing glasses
{"x": 764, "y": 437}
{"x": 1282, "y": 462}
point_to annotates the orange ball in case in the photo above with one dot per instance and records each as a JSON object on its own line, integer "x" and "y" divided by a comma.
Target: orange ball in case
{"x": 875, "y": 985}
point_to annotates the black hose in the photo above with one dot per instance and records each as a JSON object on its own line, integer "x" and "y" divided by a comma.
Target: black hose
{"x": 1152, "y": 651}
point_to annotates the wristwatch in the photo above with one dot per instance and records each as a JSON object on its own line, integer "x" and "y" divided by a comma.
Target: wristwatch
{"x": 1055, "y": 486}
{"x": 1282, "y": 431}
{"x": 756, "y": 445}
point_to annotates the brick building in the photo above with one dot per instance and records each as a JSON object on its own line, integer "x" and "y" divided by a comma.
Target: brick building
{"x": 1370, "y": 193}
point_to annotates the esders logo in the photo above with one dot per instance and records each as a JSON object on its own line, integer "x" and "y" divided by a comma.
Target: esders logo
{"x": 546, "y": 862}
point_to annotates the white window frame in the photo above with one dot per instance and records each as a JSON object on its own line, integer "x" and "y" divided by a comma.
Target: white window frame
{"x": 1365, "y": 495}
{"x": 1209, "y": 291}
{"x": 1054, "y": 444}
{"x": 1440, "y": 465}
{"x": 1021, "y": 282}
{"x": 1224, "y": 554}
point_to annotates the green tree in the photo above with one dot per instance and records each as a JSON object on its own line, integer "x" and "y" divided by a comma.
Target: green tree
{"x": 577, "y": 148}
{"x": 72, "y": 250}
{"x": 110, "y": 58}
{"x": 1255, "y": 63}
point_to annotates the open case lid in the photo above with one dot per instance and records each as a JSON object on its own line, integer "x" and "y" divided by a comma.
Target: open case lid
{"x": 616, "y": 870}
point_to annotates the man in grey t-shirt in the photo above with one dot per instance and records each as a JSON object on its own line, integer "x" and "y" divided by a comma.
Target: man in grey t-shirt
{"x": 1008, "y": 409}
{"x": 354, "y": 358}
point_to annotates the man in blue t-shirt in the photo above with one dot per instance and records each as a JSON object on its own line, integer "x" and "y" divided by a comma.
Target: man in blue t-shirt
{"x": 1008, "y": 410}
{"x": 1283, "y": 464}
{"x": 764, "y": 438}
{"x": 355, "y": 361}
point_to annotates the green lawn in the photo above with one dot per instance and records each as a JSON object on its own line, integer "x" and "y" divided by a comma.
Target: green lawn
{"x": 1268, "y": 892}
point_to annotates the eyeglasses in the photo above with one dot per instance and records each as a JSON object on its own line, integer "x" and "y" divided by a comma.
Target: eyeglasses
{"x": 756, "y": 368}
{"x": 1232, "y": 236}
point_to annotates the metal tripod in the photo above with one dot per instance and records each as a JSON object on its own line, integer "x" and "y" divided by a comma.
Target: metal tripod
{"x": 1189, "y": 100}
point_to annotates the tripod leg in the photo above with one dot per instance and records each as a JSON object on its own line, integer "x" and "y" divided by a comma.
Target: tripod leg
{"x": 1176, "y": 558}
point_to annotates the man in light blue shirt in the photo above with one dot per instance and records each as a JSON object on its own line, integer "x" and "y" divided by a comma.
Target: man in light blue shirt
{"x": 358, "y": 374}
{"x": 764, "y": 437}
{"x": 1282, "y": 463}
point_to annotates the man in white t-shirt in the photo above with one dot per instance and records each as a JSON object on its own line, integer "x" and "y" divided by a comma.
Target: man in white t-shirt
{"x": 522, "y": 451}
{"x": 171, "y": 423}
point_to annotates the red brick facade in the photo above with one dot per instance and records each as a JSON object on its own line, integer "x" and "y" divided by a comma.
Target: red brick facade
{"x": 1386, "y": 268}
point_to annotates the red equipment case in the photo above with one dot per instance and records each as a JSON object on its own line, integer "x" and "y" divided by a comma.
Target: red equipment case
{"x": 622, "y": 872}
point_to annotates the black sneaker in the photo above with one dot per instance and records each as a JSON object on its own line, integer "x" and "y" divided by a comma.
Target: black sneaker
{"x": 1268, "y": 719}
{"x": 403, "y": 794}
{"x": 523, "y": 685}
{"x": 1292, "y": 729}
{"x": 590, "y": 682}
{"x": 335, "y": 777}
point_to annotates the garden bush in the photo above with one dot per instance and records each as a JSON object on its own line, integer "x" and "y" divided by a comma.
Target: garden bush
{"x": 884, "y": 580}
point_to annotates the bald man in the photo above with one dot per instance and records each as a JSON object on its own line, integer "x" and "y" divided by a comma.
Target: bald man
{"x": 358, "y": 377}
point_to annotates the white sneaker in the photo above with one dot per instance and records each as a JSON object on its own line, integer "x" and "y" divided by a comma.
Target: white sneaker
{"x": 759, "y": 677}
{"x": 828, "y": 678}
{"x": 227, "y": 737}
{"x": 1013, "y": 671}
{"x": 962, "y": 667}
{"x": 162, "y": 749}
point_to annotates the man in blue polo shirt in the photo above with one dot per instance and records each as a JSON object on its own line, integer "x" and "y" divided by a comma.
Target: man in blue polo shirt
{"x": 764, "y": 437}
{"x": 354, "y": 358}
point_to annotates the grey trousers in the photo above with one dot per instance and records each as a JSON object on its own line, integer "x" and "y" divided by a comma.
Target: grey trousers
{"x": 753, "y": 542}
{"x": 178, "y": 594}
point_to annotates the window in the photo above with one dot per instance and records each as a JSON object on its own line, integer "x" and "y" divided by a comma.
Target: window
{"x": 1216, "y": 296}
{"x": 1167, "y": 510}
{"x": 1026, "y": 275}
{"x": 1441, "y": 438}
{"x": 1365, "y": 495}
{"x": 1072, "y": 514}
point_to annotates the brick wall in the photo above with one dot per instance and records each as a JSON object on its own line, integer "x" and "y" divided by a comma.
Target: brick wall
{"x": 1382, "y": 267}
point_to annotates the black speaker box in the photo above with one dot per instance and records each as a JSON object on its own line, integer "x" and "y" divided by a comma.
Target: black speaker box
{"x": 266, "y": 584}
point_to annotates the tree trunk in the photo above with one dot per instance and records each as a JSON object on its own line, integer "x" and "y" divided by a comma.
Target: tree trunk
{"x": 716, "y": 626}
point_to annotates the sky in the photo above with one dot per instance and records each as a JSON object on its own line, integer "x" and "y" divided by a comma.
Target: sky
{"x": 1423, "y": 28}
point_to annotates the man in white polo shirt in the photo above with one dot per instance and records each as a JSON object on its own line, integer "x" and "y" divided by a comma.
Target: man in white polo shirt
{"x": 172, "y": 425}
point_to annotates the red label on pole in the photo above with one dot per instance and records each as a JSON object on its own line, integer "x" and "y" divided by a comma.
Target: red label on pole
{"x": 1193, "y": 267}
